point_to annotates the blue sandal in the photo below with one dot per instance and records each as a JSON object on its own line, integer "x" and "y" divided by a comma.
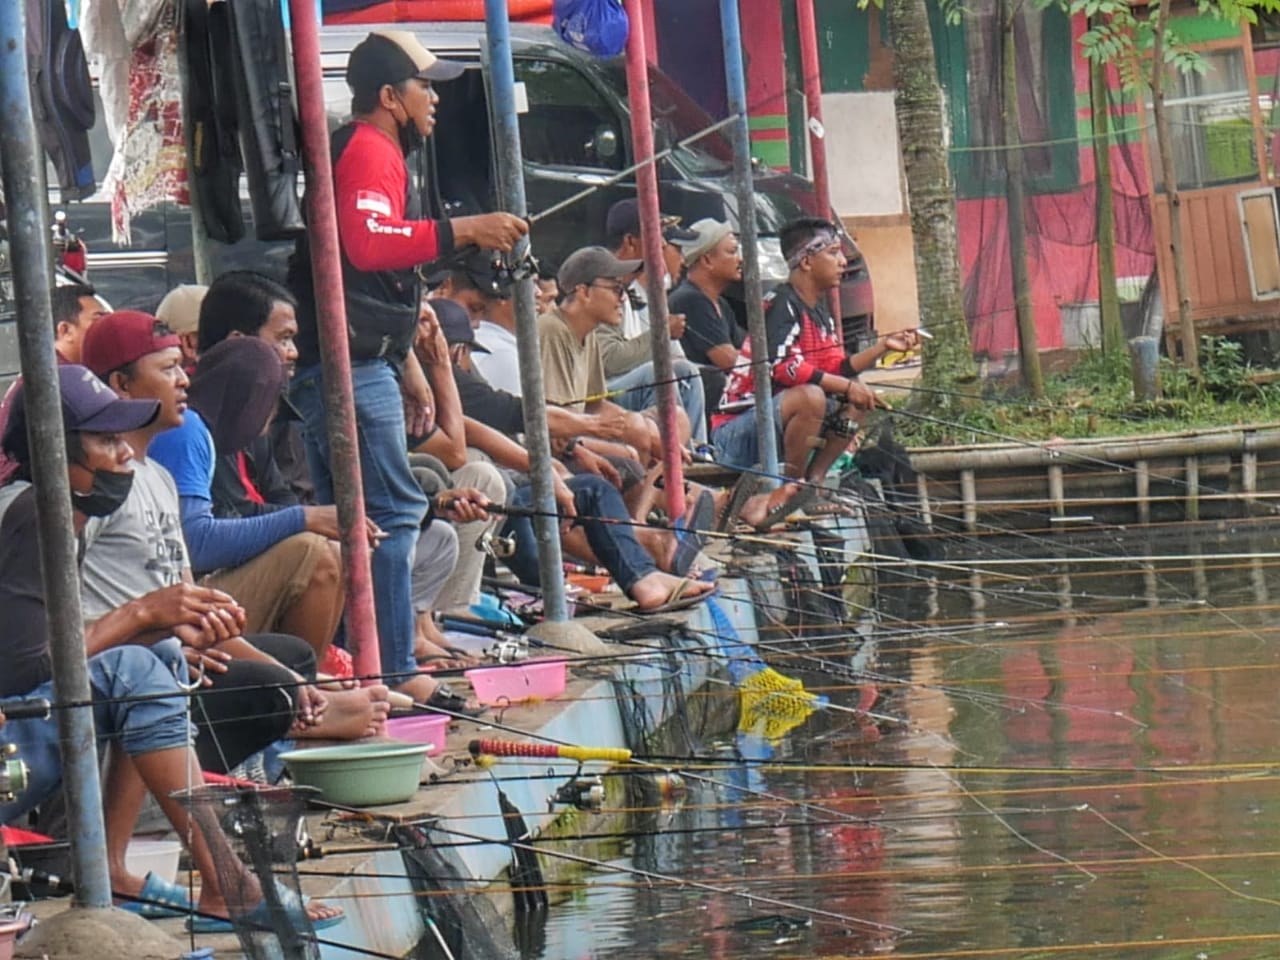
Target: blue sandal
{"x": 260, "y": 917}
{"x": 159, "y": 900}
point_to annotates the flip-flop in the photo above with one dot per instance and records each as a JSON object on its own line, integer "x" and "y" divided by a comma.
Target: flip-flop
{"x": 445, "y": 699}
{"x": 798, "y": 502}
{"x": 259, "y": 918}
{"x": 677, "y": 600}
{"x": 159, "y": 900}
{"x": 689, "y": 531}
{"x": 746, "y": 485}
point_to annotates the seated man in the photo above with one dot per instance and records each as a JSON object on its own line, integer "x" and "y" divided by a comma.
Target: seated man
{"x": 180, "y": 312}
{"x": 711, "y": 335}
{"x": 280, "y": 566}
{"x": 139, "y": 708}
{"x": 592, "y": 290}
{"x": 478, "y": 285}
{"x": 140, "y": 549}
{"x": 816, "y": 392}
{"x": 626, "y": 349}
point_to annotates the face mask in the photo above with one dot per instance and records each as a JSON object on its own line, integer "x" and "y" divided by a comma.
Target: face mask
{"x": 107, "y": 494}
{"x": 410, "y": 138}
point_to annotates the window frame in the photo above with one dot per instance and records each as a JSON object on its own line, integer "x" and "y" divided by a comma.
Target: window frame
{"x": 623, "y": 128}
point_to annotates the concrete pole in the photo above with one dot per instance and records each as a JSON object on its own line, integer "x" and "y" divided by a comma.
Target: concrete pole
{"x": 546, "y": 528}
{"x": 335, "y": 351}
{"x": 744, "y": 190}
{"x": 654, "y": 268}
{"x": 21, "y": 163}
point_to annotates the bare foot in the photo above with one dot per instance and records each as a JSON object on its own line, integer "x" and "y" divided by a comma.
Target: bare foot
{"x": 655, "y": 589}
{"x": 427, "y": 635}
{"x": 351, "y": 715}
{"x": 758, "y": 507}
{"x": 422, "y": 687}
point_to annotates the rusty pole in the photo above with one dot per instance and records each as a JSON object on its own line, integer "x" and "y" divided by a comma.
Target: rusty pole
{"x": 654, "y": 269}
{"x": 335, "y": 354}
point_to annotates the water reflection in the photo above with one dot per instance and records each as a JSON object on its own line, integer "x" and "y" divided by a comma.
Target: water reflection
{"x": 1087, "y": 769}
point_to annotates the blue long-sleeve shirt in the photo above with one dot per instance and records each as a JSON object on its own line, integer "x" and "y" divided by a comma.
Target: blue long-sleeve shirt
{"x": 187, "y": 452}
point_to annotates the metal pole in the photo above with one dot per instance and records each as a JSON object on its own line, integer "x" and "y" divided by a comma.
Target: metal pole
{"x": 654, "y": 267}
{"x": 502, "y": 92}
{"x": 335, "y": 354}
{"x": 202, "y": 262}
{"x": 811, "y": 67}
{"x": 744, "y": 189}
{"x": 21, "y": 163}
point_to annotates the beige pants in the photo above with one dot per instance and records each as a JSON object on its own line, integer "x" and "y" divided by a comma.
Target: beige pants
{"x": 462, "y": 589}
{"x": 272, "y": 582}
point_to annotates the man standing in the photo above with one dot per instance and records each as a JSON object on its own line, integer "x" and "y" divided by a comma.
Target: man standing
{"x": 384, "y": 237}
{"x": 711, "y": 333}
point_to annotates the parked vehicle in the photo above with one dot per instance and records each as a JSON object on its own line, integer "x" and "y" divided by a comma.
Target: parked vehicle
{"x": 575, "y": 133}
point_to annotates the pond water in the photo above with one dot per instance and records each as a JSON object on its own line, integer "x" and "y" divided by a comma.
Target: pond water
{"x": 1075, "y": 760}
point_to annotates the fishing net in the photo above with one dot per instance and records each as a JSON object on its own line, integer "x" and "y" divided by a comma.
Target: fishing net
{"x": 460, "y": 920}
{"x": 252, "y": 835}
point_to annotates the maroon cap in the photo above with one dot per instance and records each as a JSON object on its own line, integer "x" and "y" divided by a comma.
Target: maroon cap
{"x": 120, "y": 338}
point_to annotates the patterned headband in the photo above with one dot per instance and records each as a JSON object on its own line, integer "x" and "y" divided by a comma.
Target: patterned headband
{"x": 823, "y": 238}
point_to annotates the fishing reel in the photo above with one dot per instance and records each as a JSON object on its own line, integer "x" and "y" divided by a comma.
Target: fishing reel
{"x": 835, "y": 424}
{"x": 495, "y": 545}
{"x": 585, "y": 793}
{"x": 509, "y": 649}
{"x": 13, "y": 772}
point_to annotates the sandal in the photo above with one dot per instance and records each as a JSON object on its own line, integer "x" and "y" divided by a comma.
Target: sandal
{"x": 260, "y": 918}
{"x": 747, "y": 484}
{"x": 159, "y": 900}
{"x": 448, "y": 702}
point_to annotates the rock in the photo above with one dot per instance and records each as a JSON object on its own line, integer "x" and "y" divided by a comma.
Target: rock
{"x": 93, "y": 934}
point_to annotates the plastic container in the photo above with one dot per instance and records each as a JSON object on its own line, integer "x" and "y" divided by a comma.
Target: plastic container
{"x": 10, "y": 930}
{"x": 591, "y": 582}
{"x": 532, "y": 680}
{"x": 427, "y": 728}
{"x": 153, "y": 856}
{"x": 360, "y": 774}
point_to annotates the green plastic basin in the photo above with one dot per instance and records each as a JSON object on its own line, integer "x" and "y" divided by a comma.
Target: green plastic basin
{"x": 360, "y": 774}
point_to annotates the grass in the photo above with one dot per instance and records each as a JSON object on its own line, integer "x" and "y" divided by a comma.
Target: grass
{"x": 1095, "y": 398}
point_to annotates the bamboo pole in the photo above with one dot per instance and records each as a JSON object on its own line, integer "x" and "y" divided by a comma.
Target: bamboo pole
{"x": 1193, "y": 487}
{"x": 1142, "y": 483}
{"x": 968, "y": 496}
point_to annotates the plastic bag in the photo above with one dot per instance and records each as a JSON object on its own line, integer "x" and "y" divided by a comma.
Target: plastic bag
{"x": 598, "y": 27}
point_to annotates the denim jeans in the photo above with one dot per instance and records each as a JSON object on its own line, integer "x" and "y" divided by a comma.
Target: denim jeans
{"x": 137, "y": 704}
{"x": 642, "y": 394}
{"x": 392, "y": 498}
{"x": 614, "y": 544}
{"x": 735, "y": 440}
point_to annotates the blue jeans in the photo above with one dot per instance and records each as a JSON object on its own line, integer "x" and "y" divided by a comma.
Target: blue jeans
{"x": 392, "y": 497}
{"x": 614, "y": 544}
{"x": 642, "y": 394}
{"x": 735, "y": 440}
{"x": 137, "y": 704}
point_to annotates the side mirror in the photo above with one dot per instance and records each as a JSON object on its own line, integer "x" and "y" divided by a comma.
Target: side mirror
{"x": 604, "y": 143}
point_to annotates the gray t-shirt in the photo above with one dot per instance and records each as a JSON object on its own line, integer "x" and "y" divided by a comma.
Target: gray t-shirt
{"x": 137, "y": 549}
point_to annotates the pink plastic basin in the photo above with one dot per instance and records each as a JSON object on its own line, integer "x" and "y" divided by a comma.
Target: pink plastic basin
{"x": 534, "y": 680}
{"x": 8, "y": 934}
{"x": 427, "y": 728}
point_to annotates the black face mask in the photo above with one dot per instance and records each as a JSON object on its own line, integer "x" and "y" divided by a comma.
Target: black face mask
{"x": 107, "y": 494}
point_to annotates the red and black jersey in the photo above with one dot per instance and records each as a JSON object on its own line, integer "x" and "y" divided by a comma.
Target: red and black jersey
{"x": 803, "y": 345}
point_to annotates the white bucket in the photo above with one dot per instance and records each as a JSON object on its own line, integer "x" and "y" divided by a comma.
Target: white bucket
{"x": 153, "y": 856}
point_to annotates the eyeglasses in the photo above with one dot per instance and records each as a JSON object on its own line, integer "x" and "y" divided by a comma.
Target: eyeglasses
{"x": 619, "y": 289}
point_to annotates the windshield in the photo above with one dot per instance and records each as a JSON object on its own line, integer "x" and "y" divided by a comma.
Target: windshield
{"x": 676, "y": 117}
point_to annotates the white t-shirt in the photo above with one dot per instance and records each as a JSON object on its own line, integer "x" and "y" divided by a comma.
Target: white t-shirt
{"x": 137, "y": 549}
{"x": 635, "y": 322}
{"x": 501, "y": 365}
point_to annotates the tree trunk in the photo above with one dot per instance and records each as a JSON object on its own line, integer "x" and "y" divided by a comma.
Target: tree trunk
{"x": 1169, "y": 174}
{"x": 1016, "y": 208}
{"x": 1108, "y": 296}
{"x": 948, "y": 357}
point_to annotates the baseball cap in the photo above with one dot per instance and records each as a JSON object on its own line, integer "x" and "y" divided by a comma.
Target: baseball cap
{"x": 484, "y": 269}
{"x": 589, "y": 264}
{"x": 180, "y": 308}
{"x": 456, "y": 324}
{"x": 88, "y": 406}
{"x": 624, "y": 218}
{"x": 390, "y": 56}
{"x": 120, "y": 338}
{"x": 706, "y": 234}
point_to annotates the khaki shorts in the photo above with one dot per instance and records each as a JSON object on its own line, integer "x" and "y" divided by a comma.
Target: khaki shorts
{"x": 271, "y": 583}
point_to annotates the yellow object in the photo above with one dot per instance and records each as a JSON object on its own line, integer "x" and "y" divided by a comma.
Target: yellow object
{"x": 772, "y": 704}
{"x": 607, "y": 754}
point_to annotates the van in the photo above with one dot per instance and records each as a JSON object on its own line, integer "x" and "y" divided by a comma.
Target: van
{"x": 575, "y": 134}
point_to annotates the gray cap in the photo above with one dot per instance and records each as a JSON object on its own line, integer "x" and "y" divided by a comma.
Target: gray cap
{"x": 594, "y": 263}
{"x": 180, "y": 308}
{"x": 708, "y": 233}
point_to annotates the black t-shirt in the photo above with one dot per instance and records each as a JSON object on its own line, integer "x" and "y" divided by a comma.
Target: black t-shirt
{"x": 24, "y": 642}
{"x": 494, "y": 408}
{"x": 706, "y": 325}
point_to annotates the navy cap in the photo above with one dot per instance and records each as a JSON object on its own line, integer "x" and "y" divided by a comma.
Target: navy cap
{"x": 455, "y": 324}
{"x": 624, "y": 218}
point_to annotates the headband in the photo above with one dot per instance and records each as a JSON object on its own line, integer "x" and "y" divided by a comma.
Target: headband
{"x": 822, "y": 238}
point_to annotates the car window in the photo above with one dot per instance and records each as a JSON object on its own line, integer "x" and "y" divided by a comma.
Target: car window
{"x": 568, "y": 123}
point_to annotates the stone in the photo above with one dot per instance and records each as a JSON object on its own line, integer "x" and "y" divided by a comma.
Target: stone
{"x": 96, "y": 933}
{"x": 569, "y": 637}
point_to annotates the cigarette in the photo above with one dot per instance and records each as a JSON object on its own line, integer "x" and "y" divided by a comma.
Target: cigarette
{"x": 924, "y": 334}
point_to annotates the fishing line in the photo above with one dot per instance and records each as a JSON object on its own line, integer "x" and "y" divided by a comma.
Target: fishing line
{"x": 815, "y": 912}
